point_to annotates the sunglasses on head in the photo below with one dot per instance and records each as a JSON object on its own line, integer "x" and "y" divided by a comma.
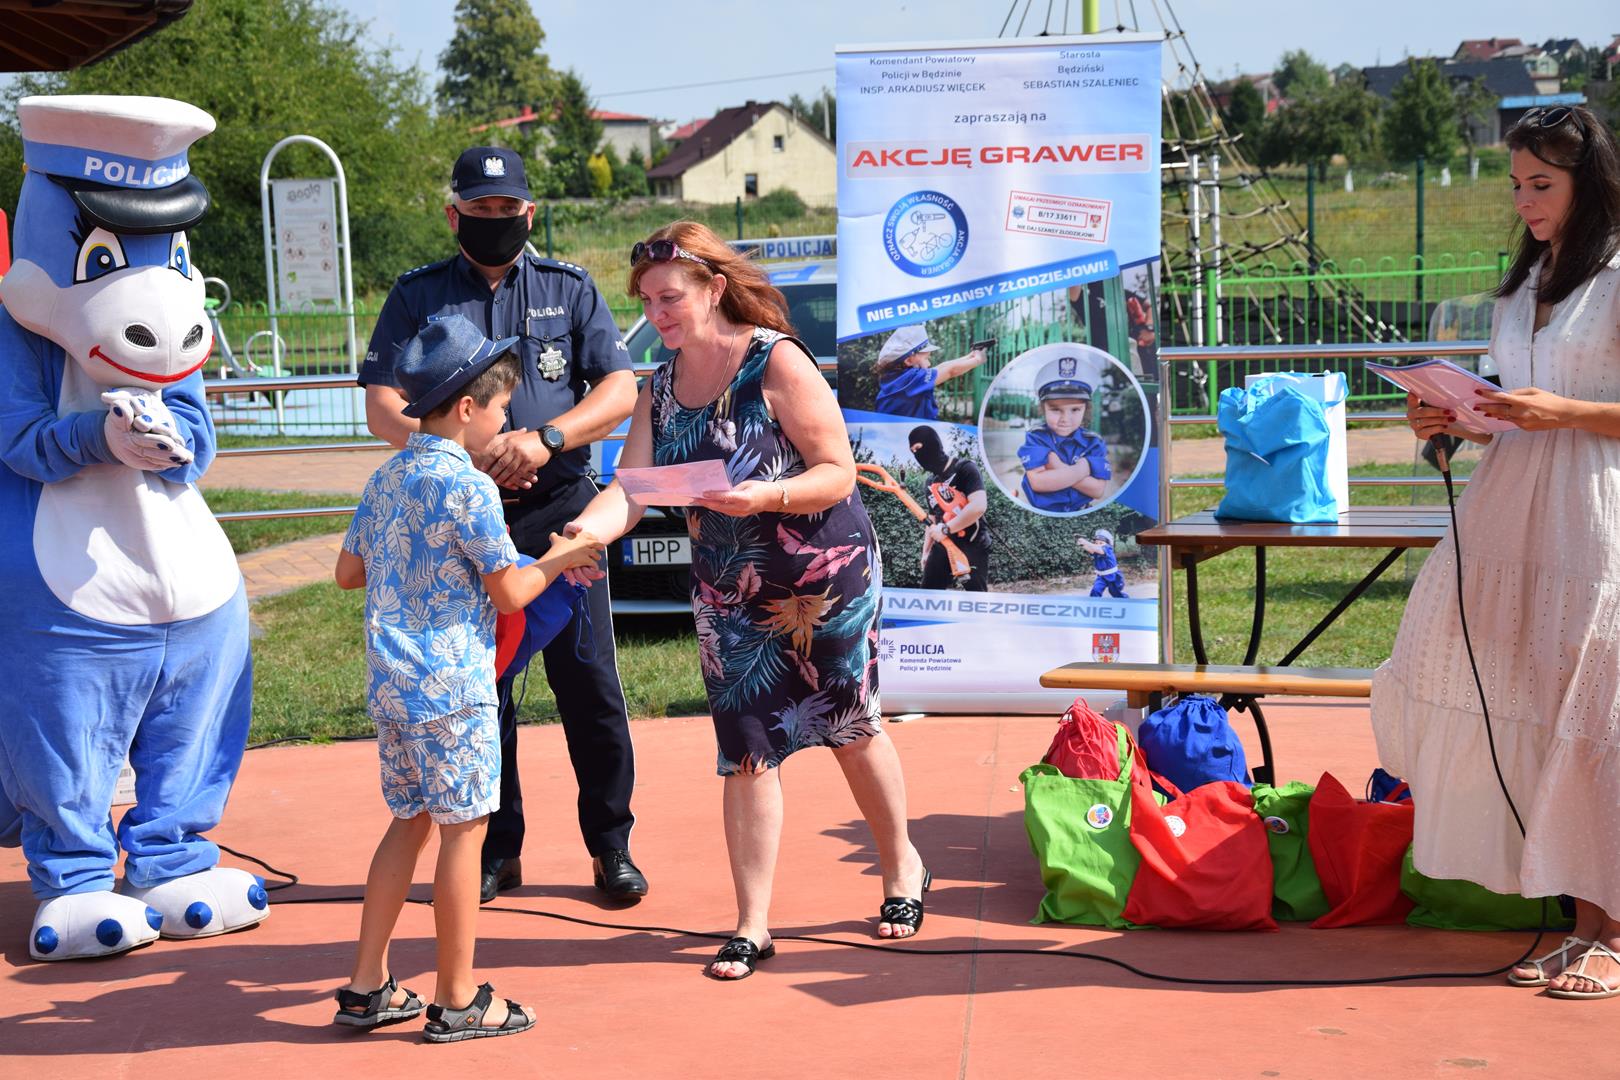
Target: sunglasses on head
{"x": 1551, "y": 116}
{"x": 662, "y": 251}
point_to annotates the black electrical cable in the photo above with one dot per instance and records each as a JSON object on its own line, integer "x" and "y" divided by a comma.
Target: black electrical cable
{"x": 289, "y": 879}
{"x": 1442, "y": 461}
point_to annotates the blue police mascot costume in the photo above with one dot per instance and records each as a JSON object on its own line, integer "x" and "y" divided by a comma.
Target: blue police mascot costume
{"x": 123, "y": 619}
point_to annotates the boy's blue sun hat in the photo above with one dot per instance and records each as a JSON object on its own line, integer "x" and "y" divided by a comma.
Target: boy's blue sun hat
{"x": 1060, "y": 378}
{"x": 448, "y": 354}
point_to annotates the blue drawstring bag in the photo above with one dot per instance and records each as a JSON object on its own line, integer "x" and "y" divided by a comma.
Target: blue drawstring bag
{"x": 518, "y": 637}
{"x": 1276, "y": 454}
{"x": 1192, "y": 743}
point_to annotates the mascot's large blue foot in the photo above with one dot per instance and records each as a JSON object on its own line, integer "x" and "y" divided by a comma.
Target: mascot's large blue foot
{"x": 84, "y": 925}
{"x": 212, "y": 902}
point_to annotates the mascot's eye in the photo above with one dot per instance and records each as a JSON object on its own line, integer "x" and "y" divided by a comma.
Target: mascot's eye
{"x": 100, "y": 254}
{"x": 180, "y": 258}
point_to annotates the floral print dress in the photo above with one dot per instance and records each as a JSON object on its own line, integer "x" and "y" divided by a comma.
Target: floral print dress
{"x": 787, "y": 605}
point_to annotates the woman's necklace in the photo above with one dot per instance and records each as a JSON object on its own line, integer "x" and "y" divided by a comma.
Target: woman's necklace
{"x": 709, "y": 396}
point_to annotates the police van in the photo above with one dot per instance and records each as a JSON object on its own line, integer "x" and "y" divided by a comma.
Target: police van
{"x": 651, "y": 564}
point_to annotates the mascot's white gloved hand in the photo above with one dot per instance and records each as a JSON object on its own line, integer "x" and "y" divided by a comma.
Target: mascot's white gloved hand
{"x": 141, "y": 431}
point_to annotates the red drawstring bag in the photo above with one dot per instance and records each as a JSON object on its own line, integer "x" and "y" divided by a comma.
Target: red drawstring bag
{"x": 1357, "y": 847}
{"x": 1206, "y": 862}
{"x": 1086, "y": 747}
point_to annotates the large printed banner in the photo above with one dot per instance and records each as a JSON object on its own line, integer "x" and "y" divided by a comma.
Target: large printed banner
{"x": 998, "y": 248}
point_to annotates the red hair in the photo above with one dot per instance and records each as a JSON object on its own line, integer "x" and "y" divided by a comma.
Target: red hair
{"x": 749, "y": 298}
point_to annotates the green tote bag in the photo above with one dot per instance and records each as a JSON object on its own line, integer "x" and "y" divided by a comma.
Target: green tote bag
{"x": 1080, "y": 831}
{"x": 1296, "y": 891}
{"x": 1449, "y": 904}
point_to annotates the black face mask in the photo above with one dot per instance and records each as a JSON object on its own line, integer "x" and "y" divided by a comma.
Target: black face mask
{"x": 492, "y": 241}
{"x": 927, "y": 449}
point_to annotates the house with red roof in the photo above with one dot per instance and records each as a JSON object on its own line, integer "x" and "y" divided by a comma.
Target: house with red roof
{"x": 749, "y": 151}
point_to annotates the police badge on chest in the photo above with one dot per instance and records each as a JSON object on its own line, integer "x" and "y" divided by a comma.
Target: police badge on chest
{"x": 551, "y": 363}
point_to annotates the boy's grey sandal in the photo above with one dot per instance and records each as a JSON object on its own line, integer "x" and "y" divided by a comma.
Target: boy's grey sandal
{"x": 368, "y": 1010}
{"x": 453, "y": 1025}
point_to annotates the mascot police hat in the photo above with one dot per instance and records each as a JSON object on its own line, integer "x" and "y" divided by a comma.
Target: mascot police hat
{"x": 123, "y": 159}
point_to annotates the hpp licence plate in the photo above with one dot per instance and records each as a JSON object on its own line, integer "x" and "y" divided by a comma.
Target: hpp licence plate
{"x": 658, "y": 551}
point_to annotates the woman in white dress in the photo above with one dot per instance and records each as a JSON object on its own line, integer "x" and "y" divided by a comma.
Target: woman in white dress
{"x": 1540, "y": 535}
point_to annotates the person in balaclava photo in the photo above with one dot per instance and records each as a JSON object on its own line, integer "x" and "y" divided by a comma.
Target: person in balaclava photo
{"x": 956, "y": 505}
{"x": 907, "y": 377}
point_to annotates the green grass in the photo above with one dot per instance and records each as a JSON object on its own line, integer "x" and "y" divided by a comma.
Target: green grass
{"x": 246, "y": 536}
{"x": 1302, "y": 584}
{"x": 309, "y": 676}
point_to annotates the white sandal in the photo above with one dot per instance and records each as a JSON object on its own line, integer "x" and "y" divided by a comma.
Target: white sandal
{"x": 1561, "y": 954}
{"x": 1597, "y": 948}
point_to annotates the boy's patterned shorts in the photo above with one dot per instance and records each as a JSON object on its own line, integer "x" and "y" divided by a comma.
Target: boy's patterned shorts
{"x": 448, "y": 766}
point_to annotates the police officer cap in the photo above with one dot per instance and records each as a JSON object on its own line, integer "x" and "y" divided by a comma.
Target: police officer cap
{"x": 1105, "y": 536}
{"x": 904, "y": 342}
{"x": 483, "y": 171}
{"x": 123, "y": 159}
{"x": 1060, "y": 378}
{"x": 448, "y": 354}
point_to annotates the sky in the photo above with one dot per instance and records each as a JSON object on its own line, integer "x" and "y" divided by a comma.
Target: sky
{"x": 642, "y": 56}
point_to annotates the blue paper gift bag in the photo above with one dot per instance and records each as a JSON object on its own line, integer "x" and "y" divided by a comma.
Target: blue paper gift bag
{"x": 1277, "y": 453}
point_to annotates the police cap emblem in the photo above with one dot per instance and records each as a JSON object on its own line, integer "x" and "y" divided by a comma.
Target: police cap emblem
{"x": 1067, "y": 365}
{"x": 494, "y": 166}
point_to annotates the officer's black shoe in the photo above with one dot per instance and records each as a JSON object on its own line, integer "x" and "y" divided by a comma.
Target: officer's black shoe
{"x": 617, "y": 876}
{"x": 499, "y": 876}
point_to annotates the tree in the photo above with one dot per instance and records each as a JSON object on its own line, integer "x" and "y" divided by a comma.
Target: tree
{"x": 601, "y": 173}
{"x": 493, "y": 66}
{"x": 1422, "y": 116}
{"x": 1299, "y": 75}
{"x": 266, "y": 70}
{"x": 575, "y": 135}
{"x": 1475, "y": 106}
{"x": 821, "y": 114}
{"x": 1245, "y": 110}
{"x": 630, "y": 178}
{"x": 1312, "y": 130}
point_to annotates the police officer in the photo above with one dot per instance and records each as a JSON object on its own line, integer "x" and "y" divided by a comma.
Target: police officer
{"x": 576, "y": 388}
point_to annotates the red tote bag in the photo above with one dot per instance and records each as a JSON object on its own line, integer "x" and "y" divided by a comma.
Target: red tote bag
{"x": 1206, "y": 862}
{"x": 1357, "y": 847}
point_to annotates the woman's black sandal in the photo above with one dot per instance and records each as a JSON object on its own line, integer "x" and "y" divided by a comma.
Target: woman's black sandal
{"x": 453, "y": 1025}
{"x": 369, "y": 1010}
{"x": 904, "y": 910}
{"x": 739, "y": 950}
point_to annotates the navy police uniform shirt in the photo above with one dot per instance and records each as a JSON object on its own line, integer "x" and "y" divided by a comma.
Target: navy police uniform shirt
{"x": 909, "y": 393}
{"x": 568, "y": 339}
{"x": 1040, "y": 442}
{"x": 1104, "y": 560}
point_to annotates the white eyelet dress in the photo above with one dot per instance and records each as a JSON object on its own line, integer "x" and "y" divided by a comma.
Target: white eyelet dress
{"x": 1540, "y": 531}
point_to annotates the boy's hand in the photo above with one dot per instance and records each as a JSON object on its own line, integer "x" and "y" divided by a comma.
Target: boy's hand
{"x": 578, "y": 551}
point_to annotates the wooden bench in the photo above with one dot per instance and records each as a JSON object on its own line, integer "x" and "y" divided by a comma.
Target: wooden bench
{"x": 1240, "y": 687}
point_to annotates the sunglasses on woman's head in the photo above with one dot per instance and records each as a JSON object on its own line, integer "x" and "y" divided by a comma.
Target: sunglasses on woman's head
{"x": 662, "y": 251}
{"x": 1550, "y": 116}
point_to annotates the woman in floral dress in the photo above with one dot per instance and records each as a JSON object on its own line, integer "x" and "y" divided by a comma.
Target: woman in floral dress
{"x": 786, "y": 580}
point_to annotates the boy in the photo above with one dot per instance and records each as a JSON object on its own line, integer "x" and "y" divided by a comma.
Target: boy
{"x": 1109, "y": 579}
{"x": 907, "y": 376}
{"x": 429, "y": 544}
{"x": 1065, "y": 466}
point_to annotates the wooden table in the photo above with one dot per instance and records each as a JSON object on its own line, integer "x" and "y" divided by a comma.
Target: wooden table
{"x": 1199, "y": 536}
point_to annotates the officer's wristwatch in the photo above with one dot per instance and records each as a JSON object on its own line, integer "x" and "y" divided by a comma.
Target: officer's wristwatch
{"x": 551, "y": 438}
